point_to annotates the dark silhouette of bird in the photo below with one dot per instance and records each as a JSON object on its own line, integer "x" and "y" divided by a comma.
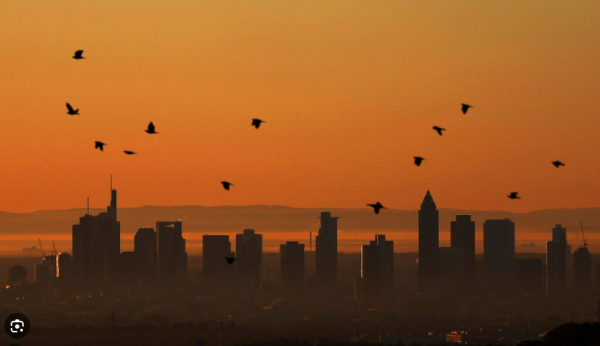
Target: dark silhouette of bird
{"x": 557, "y": 164}
{"x": 78, "y": 55}
{"x": 465, "y": 107}
{"x": 100, "y": 145}
{"x": 439, "y": 129}
{"x": 376, "y": 207}
{"x": 226, "y": 185}
{"x": 150, "y": 129}
{"x": 129, "y": 152}
{"x": 256, "y": 123}
{"x": 71, "y": 110}
{"x": 418, "y": 160}
{"x": 513, "y": 195}
{"x": 229, "y": 260}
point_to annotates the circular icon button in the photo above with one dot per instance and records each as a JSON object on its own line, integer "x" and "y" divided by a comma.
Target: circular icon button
{"x": 17, "y": 326}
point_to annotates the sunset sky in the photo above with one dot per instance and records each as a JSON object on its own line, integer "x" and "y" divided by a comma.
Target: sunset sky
{"x": 349, "y": 91}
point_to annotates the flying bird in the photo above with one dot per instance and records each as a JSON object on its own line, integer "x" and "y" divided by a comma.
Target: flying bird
{"x": 100, "y": 145}
{"x": 78, "y": 55}
{"x": 229, "y": 260}
{"x": 465, "y": 107}
{"x": 513, "y": 195}
{"x": 557, "y": 164}
{"x": 71, "y": 110}
{"x": 226, "y": 185}
{"x": 418, "y": 160}
{"x": 129, "y": 152}
{"x": 439, "y": 129}
{"x": 256, "y": 123}
{"x": 376, "y": 207}
{"x": 150, "y": 129}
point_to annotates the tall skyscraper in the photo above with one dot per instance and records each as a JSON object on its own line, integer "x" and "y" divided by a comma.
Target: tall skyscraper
{"x": 291, "y": 255}
{"x": 529, "y": 276}
{"x": 556, "y": 262}
{"x": 377, "y": 266}
{"x": 172, "y": 258}
{"x": 215, "y": 269}
{"x": 429, "y": 242}
{"x": 248, "y": 249}
{"x": 462, "y": 235}
{"x": 97, "y": 244}
{"x": 499, "y": 250}
{"x": 326, "y": 257}
{"x": 144, "y": 245}
{"x": 582, "y": 269}
{"x": 65, "y": 265}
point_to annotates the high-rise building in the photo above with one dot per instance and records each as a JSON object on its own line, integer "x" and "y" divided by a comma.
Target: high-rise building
{"x": 291, "y": 255}
{"x": 97, "y": 244}
{"x": 43, "y": 273}
{"x": 65, "y": 265}
{"x": 17, "y": 275}
{"x": 248, "y": 249}
{"x": 452, "y": 265}
{"x": 556, "y": 262}
{"x": 462, "y": 235}
{"x": 529, "y": 276}
{"x": 377, "y": 266}
{"x": 429, "y": 242}
{"x": 215, "y": 269}
{"x": 172, "y": 258}
{"x": 144, "y": 245}
{"x": 582, "y": 269}
{"x": 326, "y": 257}
{"x": 499, "y": 250}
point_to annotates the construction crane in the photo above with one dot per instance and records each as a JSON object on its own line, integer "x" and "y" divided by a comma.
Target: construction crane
{"x": 54, "y": 246}
{"x": 582, "y": 234}
{"x": 41, "y": 250}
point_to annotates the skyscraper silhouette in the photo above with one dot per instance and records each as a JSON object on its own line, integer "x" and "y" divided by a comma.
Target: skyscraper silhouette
{"x": 291, "y": 255}
{"x": 326, "y": 256}
{"x": 582, "y": 269}
{"x": 248, "y": 248}
{"x": 215, "y": 270}
{"x": 429, "y": 242}
{"x": 144, "y": 245}
{"x": 377, "y": 266}
{"x": 556, "y": 262}
{"x": 462, "y": 235}
{"x": 97, "y": 245}
{"x": 499, "y": 250}
{"x": 172, "y": 258}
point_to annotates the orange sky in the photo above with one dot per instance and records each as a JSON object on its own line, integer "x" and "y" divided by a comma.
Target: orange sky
{"x": 349, "y": 91}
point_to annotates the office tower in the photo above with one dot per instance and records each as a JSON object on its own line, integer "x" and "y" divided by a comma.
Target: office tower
{"x": 17, "y": 275}
{"x": 557, "y": 252}
{"x": 43, "y": 271}
{"x": 172, "y": 258}
{"x": 144, "y": 246}
{"x": 529, "y": 276}
{"x": 215, "y": 269}
{"x": 452, "y": 265}
{"x": 582, "y": 269}
{"x": 291, "y": 255}
{"x": 248, "y": 249}
{"x": 462, "y": 235}
{"x": 429, "y": 242}
{"x": 377, "y": 266}
{"x": 51, "y": 260}
{"x": 97, "y": 244}
{"x": 326, "y": 261}
{"x": 499, "y": 250}
{"x": 65, "y": 265}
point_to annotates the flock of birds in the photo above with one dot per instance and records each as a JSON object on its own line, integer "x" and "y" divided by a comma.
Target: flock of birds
{"x": 257, "y": 122}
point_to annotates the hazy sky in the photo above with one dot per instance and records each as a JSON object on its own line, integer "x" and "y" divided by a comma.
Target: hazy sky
{"x": 349, "y": 91}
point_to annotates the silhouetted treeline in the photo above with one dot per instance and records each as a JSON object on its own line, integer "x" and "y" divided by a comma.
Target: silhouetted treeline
{"x": 325, "y": 342}
{"x": 580, "y": 334}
